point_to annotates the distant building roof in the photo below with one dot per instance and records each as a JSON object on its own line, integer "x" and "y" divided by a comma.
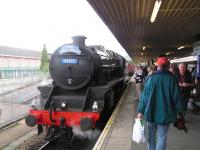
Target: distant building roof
{"x": 19, "y": 52}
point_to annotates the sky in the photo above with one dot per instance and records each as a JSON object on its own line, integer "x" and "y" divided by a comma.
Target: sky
{"x": 29, "y": 24}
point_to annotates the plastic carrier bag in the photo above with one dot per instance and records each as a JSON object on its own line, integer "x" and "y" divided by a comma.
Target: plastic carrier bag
{"x": 133, "y": 79}
{"x": 138, "y": 135}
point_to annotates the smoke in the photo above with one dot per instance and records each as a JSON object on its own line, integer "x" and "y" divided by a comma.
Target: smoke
{"x": 89, "y": 134}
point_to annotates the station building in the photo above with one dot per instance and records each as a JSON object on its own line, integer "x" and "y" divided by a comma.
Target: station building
{"x": 18, "y": 63}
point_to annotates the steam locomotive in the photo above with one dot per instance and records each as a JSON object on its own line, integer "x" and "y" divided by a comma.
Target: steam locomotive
{"x": 87, "y": 82}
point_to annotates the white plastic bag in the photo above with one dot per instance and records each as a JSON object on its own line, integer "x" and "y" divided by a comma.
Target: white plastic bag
{"x": 133, "y": 79}
{"x": 138, "y": 132}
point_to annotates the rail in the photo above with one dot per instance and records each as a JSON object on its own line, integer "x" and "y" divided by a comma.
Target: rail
{"x": 44, "y": 145}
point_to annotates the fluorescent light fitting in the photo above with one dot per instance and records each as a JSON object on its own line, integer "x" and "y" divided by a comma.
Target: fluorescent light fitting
{"x": 143, "y": 47}
{"x": 181, "y": 47}
{"x": 184, "y": 59}
{"x": 155, "y": 10}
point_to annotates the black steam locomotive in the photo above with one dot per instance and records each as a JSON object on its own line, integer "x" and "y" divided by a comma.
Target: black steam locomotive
{"x": 87, "y": 82}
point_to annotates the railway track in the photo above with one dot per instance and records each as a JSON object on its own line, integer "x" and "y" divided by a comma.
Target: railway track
{"x": 44, "y": 145}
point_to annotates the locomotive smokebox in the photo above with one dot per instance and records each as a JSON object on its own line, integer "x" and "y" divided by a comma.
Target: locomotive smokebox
{"x": 79, "y": 40}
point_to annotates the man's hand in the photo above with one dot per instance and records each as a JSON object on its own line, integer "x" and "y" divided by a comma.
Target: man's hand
{"x": 186, "y": 84}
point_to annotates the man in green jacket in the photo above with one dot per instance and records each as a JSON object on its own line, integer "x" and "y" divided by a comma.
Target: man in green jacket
{"x": 160, "y": 103}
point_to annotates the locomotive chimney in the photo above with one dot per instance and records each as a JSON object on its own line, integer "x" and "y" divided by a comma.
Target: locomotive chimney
{"x": 79, "y": 40}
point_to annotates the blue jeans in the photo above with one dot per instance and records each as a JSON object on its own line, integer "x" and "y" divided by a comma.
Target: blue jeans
{"x": 161, "y": 136}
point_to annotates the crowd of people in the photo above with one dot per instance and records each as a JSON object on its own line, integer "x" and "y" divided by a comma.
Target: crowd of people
{"x": 168, "y": 91}
{"x": 187, "y": 80}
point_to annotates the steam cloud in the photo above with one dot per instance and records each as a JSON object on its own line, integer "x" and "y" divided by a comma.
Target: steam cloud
{"x": 90, "y": 134}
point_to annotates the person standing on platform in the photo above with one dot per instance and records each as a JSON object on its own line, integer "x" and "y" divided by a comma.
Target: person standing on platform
{"x": 173, "y": 69}
{"x": 193, "y": 103}
{"x": 197, "y": 86}
{"x": 185, "y": 83}
{"x": 151, "y": 70}
{"x": 160, "y": 104}
{"x": 139, "y": 76}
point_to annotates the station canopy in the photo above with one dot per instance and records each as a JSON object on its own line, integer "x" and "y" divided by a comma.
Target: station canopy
{"x": 176, "y": 25}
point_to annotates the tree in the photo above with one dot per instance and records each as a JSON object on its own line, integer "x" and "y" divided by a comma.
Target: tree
{"x": 44, "y": 66}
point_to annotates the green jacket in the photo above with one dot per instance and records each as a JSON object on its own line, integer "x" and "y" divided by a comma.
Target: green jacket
{"x": 161, "y": 98}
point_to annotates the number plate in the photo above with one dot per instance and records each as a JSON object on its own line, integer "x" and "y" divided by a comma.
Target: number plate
{"x": 69, "y": 61}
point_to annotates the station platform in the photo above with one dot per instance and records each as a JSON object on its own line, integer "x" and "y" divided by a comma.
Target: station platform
{"x": 118, "y": 131}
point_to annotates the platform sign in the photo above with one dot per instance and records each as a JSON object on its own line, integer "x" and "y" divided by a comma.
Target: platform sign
{"x": 196, "y": 47}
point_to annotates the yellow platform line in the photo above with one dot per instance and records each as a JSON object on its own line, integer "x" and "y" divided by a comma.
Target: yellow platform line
{"x": 110, "y": 122}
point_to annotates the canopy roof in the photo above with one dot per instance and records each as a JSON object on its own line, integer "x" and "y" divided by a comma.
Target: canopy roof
{"x": 177, "y": 24}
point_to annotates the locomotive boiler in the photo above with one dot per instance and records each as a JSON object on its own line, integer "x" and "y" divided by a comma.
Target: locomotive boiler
{"x": 87, "y": 82}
